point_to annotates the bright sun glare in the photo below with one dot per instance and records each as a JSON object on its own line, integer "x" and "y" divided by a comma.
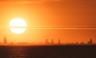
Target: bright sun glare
{"x": 17, "y": 25}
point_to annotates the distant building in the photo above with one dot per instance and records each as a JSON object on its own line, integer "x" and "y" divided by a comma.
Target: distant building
{"x": 59, "y": 41}
{"x": 82, "y": 43}
{"x": 5, "y": 40}
{"x": 90, "y": 41}
{"x": 76, "y": 43}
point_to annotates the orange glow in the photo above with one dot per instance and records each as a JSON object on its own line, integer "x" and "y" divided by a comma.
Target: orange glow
{"x": 49, "y": 15}
{"x": 17, "y": 25}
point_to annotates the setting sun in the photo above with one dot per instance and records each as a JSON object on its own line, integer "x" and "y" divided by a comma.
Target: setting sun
{"x": 17, "y": 25}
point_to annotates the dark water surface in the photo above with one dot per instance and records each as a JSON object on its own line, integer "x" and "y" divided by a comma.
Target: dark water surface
{"x": 81, "y": 51}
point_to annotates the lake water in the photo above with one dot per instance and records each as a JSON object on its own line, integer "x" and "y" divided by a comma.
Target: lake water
{"x": 48, "y": 51}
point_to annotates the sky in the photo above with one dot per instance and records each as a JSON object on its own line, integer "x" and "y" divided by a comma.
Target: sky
{"x": 70, "y": 20}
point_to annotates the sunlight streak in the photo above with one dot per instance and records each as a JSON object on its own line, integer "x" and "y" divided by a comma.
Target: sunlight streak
{"x": 89, "y": 28}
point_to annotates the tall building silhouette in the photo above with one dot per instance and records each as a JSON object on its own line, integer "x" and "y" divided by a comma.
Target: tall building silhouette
{"x": 5, "y": 40}
{"x": 90, "y": 41}
{"x": 59, "y": 41}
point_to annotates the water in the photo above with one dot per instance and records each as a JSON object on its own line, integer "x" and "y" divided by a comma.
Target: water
{"x": 48, "y": 51}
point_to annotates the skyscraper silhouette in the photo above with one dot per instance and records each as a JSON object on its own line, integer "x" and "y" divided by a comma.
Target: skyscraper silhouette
{"x": 59, "y": 41}
{"x": 90, "y": 41}
{"x": 5, "y": 40}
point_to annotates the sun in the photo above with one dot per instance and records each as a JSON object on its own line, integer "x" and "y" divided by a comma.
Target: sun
{"x": 17, "y": 25}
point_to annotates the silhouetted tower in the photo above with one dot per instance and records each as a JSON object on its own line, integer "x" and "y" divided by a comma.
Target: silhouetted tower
{"x": 82, "y": 43}
{"x": 90, "y": 41}
{"x": 59, "y": 41}
{"x": 76, "y": 43}
{"x": 5, "y": 40}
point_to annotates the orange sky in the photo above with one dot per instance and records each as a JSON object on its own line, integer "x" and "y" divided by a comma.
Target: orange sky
{"x": 49, "y": 14}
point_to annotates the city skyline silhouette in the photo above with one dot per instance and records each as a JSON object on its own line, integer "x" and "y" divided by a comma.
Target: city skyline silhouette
{"x": 47, "y": 28}
{"x": 47, "y": 42}
{"x": 72, "y": 21}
